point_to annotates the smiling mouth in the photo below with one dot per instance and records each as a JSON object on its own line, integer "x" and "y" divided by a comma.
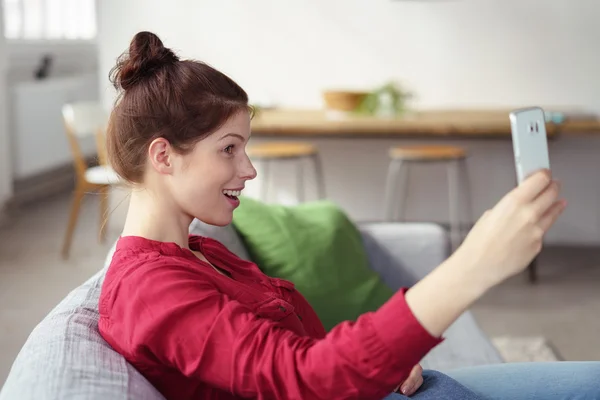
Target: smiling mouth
{"x": 232, "y": 194}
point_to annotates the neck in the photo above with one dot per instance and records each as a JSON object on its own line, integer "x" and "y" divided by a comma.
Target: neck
{"x": 155, "y": 218}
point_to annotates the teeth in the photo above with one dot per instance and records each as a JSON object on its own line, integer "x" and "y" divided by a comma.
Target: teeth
{"x": 234, "y": 193}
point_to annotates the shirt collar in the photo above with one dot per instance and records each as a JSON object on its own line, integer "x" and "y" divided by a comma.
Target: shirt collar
{"x": 139, "y": 244}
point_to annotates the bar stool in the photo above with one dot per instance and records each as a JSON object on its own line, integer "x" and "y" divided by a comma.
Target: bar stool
{"x": 297, "y": 152}
{"x": 402, "y": 157}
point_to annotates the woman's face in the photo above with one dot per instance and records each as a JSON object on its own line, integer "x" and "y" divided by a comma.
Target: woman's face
{"x": 206, "y": 182}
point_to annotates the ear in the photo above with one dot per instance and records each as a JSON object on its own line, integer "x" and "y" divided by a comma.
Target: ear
{"x": 159, "y": 155}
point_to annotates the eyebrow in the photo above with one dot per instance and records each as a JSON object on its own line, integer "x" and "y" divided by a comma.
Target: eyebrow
{"x": 234, "y": 135}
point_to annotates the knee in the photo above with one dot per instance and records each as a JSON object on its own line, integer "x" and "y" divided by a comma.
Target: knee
{"x": 440, "y": 386}
{"x": 437, "y": 379}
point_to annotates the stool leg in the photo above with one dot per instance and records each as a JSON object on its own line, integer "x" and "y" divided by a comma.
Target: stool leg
{"x": 467, "y": 198}
{"x": 104, "y": 200}
{"x": 403, "y": 198}
{"x": 319, "y": 176}
{"x": 454, "y": 202}
{"x": 396, "y": 177}
{"x": 300, "y": 180}
{"x": 390, "y": 190}
{"x": 266, "y": 179}
{"x": 532, "y": 269}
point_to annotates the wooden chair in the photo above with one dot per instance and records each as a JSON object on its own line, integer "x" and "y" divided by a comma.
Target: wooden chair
{"x": 298, "y": 152}
{"x": 402, "y": 157}
{"x": 85, "y": 119}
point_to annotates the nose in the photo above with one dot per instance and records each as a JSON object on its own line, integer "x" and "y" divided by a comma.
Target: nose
{"x": 247, "y": 170}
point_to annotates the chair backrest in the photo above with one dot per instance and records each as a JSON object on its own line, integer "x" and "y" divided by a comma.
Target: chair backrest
{"x": 83, "y": 119}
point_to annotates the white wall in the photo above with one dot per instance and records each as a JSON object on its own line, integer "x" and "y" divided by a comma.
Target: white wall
{"x": 461, "y": 53}
{"x": 458, "y": 53}
{"x": 5, "y": 159}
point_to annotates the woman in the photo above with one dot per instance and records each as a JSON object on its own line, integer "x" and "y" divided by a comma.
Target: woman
{"x": 200, "y": 323}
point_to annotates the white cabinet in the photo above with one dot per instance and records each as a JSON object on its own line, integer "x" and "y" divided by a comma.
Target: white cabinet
{"x": 39, "y": 142}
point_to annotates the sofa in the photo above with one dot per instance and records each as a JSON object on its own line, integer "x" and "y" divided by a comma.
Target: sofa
{"x": 66, "y": 358}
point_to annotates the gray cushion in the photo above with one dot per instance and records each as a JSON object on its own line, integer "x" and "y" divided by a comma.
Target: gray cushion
{"x": 227, "y": 235}
{"x": 403, "y": 254}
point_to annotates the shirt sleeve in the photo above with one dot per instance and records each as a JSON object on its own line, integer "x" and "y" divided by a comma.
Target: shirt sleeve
{"x": 203, "y": 333}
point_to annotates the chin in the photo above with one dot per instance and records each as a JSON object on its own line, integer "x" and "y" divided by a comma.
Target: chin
{"x": 223, "y": 222}
{"x": 220, "y": 220}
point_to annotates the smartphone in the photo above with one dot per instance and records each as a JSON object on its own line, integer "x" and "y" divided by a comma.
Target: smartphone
{"x": 530, "y": 142}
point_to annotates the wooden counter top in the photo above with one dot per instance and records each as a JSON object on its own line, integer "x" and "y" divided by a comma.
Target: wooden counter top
{"x": 442, "y": 123}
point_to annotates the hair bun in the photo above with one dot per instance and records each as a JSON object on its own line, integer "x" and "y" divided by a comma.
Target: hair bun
{"x": 145, "y": 57}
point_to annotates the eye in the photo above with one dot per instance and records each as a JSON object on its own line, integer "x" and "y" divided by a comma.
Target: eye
{"x": 229, "y": 149}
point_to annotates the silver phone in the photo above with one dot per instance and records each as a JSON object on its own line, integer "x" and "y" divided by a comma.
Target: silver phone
{"x": 530, "y": 142}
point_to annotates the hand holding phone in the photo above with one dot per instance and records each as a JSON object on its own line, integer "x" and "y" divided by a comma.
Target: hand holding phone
{"x": 530, "y": 142}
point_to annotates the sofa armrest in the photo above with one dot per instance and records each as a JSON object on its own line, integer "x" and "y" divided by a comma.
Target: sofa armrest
{"x": 404, "y": 253}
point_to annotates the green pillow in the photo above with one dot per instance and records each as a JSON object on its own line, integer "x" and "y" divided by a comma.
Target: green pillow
{"x": 315, "y": 246}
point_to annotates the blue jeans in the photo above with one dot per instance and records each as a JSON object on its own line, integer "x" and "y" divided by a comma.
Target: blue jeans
{"x": 523, "y": 381}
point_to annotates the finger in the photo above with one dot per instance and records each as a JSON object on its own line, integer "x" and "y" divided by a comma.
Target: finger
{"x": 546, "y": 199}
{"x": 533, "y": 186}
{"x": 552, "y": 214}
{"x": 415, "y": 387}
{"x": 411, "y": 382}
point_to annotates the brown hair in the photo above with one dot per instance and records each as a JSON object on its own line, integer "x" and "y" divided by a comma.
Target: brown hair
{"x": 182, "y": 101}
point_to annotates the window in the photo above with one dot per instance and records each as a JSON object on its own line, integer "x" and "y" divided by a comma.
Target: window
{"x": 50, "y": 19}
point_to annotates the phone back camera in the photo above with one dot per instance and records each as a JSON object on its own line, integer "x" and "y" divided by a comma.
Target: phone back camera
{"x": 533, "y": 128}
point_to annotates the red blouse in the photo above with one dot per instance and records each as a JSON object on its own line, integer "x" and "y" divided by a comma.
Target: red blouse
{"x": 197, "y": 334}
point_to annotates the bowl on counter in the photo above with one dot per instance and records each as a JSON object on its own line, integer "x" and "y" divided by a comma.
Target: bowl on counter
{"x": 343, "y": 100}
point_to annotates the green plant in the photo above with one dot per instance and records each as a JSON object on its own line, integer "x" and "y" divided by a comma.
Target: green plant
{"x": 388, "y": 99}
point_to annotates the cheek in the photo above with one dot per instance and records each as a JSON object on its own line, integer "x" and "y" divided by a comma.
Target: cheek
{"x": 222, "y": 170}
{"x": 189, "y": 178}
{"x": 195, "y": 194}
{"x": 203, "y": 180}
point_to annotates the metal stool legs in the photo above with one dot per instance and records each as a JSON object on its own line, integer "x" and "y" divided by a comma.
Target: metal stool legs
{"x": 300, "y": 177}
{"x": 300, "y": 189}
{"x": 468, "y": 205}
{"x": 532, "y": 271}
{"x": 454, "y": 202}
{"x": 316, "y": 159}
{"x": 397, "y": 180}
{"x": 458, "y": 179}
{"x": 396, "y": 194}
{"x": 264, "y": 185}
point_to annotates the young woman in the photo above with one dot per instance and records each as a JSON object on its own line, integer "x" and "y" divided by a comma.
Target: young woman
{"x": 200, "y": 323}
